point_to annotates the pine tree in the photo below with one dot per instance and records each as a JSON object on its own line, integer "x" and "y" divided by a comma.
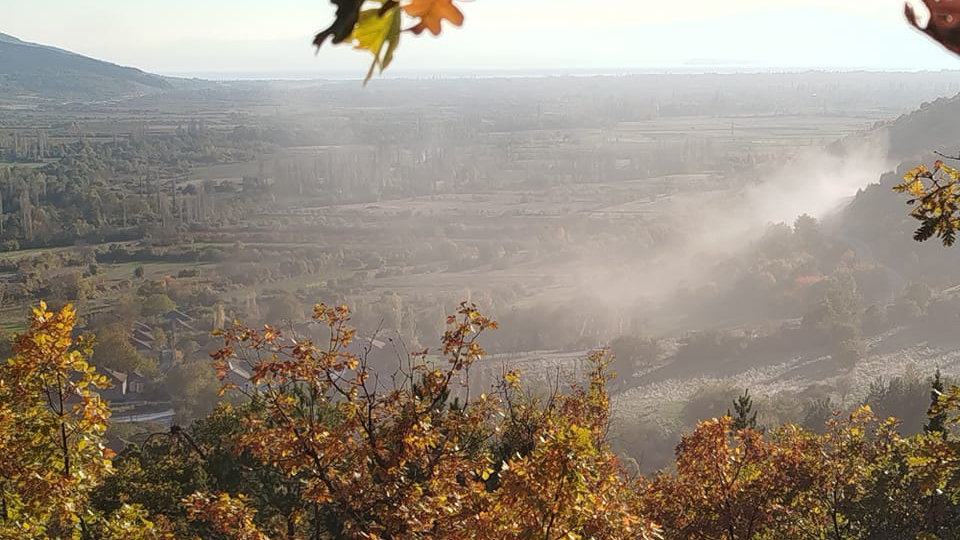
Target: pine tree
{"x": 936, "y": 422}
{"x": 744, "y": 417}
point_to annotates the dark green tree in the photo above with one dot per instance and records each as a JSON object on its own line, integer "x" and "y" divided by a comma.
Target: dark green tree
{"x": 744, "y": 417}
{"x": 113, "y": 350}
{"x": 936, "y": 419}
{"x": 168, "y": 466}
{"x": 157, "y": 304}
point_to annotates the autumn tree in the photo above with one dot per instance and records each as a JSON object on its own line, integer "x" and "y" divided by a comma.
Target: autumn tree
{"x": 52, "y": 422}
{"x": 834, "y": 475}
{"x": 418, "y": 456}
{"x": 858, "y": 480}
{"x": 724, "y": 488}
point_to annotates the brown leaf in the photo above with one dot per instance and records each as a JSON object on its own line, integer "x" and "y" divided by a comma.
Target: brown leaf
{"x": 944, "y": 24}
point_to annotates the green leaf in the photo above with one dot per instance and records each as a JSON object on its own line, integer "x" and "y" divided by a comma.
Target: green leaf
{"x": 393, "y": 40}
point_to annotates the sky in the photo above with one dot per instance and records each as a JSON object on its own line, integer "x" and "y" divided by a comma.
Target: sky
{"x": 256, "y": 37}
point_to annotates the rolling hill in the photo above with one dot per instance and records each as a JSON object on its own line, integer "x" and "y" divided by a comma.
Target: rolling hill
{"x": 32, "y": 72}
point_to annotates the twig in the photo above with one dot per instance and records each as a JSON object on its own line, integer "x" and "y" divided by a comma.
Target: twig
{"x": 941, "y": 154}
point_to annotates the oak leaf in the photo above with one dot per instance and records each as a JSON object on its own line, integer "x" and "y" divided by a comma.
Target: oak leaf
{"x": 431, "y": 13}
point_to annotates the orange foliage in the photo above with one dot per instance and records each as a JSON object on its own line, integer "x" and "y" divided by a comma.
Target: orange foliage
{"x": 422, "y": 458}
{"x": 419, "y": 458}
{"x": 376, "y": 26}
{"x": 431, "y": 13}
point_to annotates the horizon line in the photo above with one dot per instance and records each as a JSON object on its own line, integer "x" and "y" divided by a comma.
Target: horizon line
{"x": 467, "y": 73}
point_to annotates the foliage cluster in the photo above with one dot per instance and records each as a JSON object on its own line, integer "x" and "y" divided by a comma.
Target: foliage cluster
{"x": 322, "y": 448}
{"x": 935, "y": 200}
{"x": 375, "y": 26}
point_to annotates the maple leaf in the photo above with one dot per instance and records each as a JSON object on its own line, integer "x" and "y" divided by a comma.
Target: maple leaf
{"x": 944, "y": 24}
{"x": 431, "y": 13}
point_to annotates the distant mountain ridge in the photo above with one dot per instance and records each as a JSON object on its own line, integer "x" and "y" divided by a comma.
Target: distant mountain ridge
{"x": 30, "y": 71}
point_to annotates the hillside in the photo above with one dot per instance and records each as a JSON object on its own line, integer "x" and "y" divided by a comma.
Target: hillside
{"x": 931, "y": 127}
{"x": 836, "y": 312}
{"x": 30, "y": 72}
{"x": 879, "y": 223}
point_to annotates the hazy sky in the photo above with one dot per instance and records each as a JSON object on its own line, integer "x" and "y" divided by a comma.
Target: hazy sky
{"x": 210, "y": 36}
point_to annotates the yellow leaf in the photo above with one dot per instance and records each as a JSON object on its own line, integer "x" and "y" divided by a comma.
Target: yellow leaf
{"x": 913, "y": 173}
{"x": 954, "y": 174}
{"x": 374, "y": 30}
{"x": 916, "y": 187}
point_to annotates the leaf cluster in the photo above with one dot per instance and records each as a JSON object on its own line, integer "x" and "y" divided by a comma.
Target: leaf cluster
{"x": 375, "y": 26}
{"x": 324, "y": 449}
{"x": 857, "y": 480}
{"x": 935, "y": 199}
{"x": 52, "y": 422}
{"x": 420, "y": 456}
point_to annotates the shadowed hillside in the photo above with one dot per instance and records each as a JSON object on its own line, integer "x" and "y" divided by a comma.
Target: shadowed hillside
{"x": 879, "y": 224}
{"x": 31, "y": 71}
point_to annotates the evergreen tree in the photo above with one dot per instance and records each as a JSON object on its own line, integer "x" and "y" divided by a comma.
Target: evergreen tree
{"x": 936, "y": 422}
{"x": 744, "y": 417}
